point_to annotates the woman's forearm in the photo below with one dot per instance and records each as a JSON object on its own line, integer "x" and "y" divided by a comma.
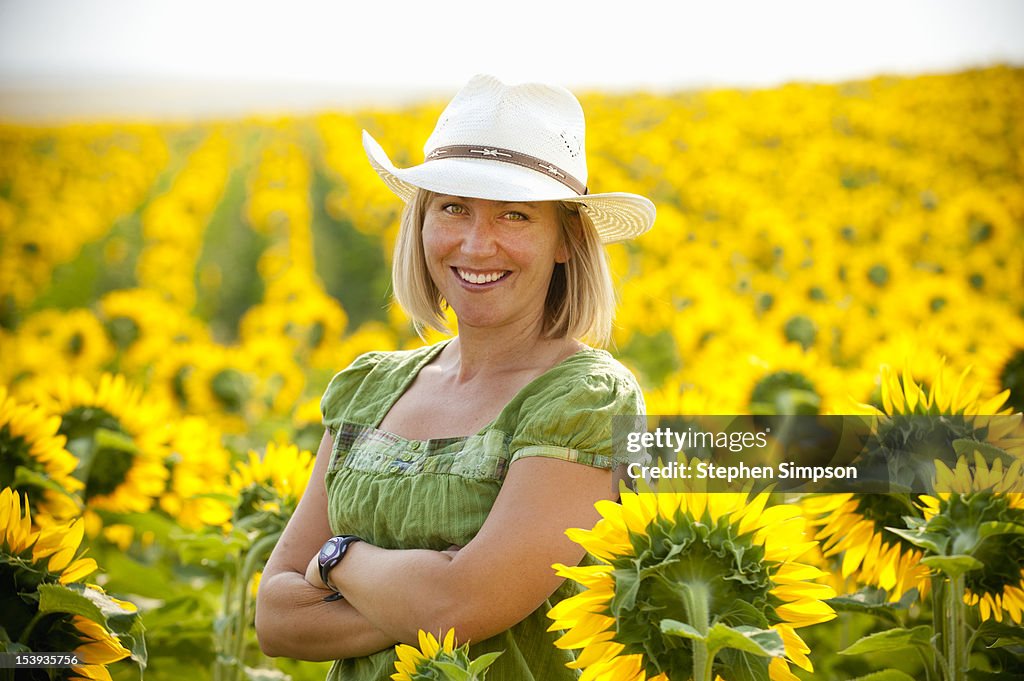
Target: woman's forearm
{"x": 293, "y": 620}
{"x": 499, "y": 577}
{"x": 403, "y": 591}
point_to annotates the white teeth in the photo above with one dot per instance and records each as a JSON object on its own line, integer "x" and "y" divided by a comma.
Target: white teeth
{"x": 474, "y": 278}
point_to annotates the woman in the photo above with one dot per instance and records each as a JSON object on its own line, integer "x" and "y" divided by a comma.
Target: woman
{"x": 448, "y": 475}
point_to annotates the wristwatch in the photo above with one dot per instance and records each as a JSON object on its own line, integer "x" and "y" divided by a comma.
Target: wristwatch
{"x": 331, "y": 553}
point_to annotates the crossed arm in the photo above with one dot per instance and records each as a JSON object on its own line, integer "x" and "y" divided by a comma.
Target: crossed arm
{"x": 391, "y": 594}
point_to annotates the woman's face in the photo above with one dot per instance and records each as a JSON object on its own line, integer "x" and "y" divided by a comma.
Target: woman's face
{"x": 492, "y": 260}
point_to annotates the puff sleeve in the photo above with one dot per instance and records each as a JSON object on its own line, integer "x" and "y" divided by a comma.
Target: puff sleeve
{"x": 570, "y": 416}
{"x": 338, "y": 400}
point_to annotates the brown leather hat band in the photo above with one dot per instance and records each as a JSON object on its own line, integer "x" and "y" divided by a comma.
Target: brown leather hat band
{"x": 509, "y": 156}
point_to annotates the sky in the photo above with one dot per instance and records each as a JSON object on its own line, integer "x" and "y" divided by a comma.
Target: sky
{"x": 394, "y": 50}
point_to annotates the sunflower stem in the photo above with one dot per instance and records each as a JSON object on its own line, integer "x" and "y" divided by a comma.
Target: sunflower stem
{"x": 254, "y": 558}
{"x": 238, "y": 649}
{"x": 225, "y": 636}
{"x": 958, "y": 653}
{"x": 29, "y": 627}
{"x": 695, "y": 600}
{"x": 939, "y": 667}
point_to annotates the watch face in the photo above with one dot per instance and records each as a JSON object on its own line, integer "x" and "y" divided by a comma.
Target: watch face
{"x": 329, "y": 550}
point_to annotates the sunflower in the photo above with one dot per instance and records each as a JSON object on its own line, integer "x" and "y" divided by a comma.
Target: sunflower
{"x": 267, "y": 488}
{"x": 298, "y": 312}
{"x": 172, "y": 369}
{"x": 677, "y": 397}
{"x": 439, "y": 660}
{"x": 307, "y": 423}
{"x": 119, "y": 435}
{"x": 52, "y": 341}
{"x": 853, "y": 526}
{"x": 411, "y": 659}
{"x": 33, "y": 459}
{"x": 915, "y": 428}
{"x": 144, "y": 323}
{"x": 98, "y": 648}
{"x": 706, "y": 561}
{"x": 977, "y": 499}
{"x": 279, "y": 380}
{"x": 32, "y": 558}
{"x": 221, "y": 385}
{"x": 902, "y": 395}
{"x": 1011, "y": 376}
{"x": 929, "y": 421}
{"x": 369, "y": 336}
{"x": 199, "y": 465}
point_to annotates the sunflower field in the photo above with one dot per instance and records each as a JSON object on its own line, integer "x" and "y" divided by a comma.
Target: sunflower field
{"x": 174, "y": 298}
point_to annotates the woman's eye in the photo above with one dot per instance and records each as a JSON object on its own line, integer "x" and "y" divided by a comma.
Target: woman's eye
{"x": 454, "y": 209}
{"x": 516, "y": 216}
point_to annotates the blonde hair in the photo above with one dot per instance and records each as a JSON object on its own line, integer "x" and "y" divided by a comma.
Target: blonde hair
{"x": 580, "y": 301}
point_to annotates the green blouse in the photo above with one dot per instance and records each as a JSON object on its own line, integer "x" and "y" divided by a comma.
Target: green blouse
{"x": 429, "y": 494}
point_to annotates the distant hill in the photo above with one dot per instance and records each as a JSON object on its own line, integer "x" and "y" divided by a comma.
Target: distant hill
{"x": 51, "y": 101}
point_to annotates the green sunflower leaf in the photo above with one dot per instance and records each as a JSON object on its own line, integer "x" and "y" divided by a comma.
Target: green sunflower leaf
{"x": 9, "y": 646}
{"x": 65, "y": 599}
{"x": 999, "y": 635}
{"x": 742, "y": 666}
{"x": 93, "y": 604}
{"x": 681, "y": 629}
{"x": 452, "y": 672}
{"x": 991, "y": 529}
{"x": 936, "y": 543}
{"x": 151, "y": 521}
{"x": 874, "y": 601}
{"x": 211, "y": 548}
{"x": 954, "y": 566}
{"x": 26, "y": 477}
{"x": 742, "y": 612}
{"x": 967, "y": 447}
{"x": 892, "y": 639}
{"x": 113, "y": 440}
{"x": 886, "y": 675}
{"x": 477, "y": 666}
{"x": 132, "y": 634}
{"x": 760, "y": 642}
{"x": 627, "y": 587}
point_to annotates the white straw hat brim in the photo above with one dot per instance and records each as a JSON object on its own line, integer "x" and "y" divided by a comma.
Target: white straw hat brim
{"x": 616, "y": 216}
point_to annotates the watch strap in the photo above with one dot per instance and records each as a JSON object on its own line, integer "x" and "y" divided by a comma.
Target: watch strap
{"x": 332, "y": 552}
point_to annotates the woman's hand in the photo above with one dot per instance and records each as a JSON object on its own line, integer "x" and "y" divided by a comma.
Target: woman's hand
{"x": 313, "y": 572}
{"x": 292, "y": 618}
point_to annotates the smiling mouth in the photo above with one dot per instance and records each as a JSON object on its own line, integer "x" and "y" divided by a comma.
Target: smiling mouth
{"x": 480, "y": 277}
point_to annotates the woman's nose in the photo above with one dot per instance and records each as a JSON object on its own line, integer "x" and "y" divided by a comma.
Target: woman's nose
{"x": 479, "y": 238}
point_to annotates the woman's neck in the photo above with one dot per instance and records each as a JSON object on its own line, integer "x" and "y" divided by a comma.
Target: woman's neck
{"x": 484, "y": 353}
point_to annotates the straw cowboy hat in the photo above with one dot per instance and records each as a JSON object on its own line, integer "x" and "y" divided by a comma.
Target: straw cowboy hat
{"x": 514, "y": 143}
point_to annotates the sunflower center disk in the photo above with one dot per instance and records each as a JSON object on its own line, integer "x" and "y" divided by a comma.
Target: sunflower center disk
{"x": 106, "y": 454}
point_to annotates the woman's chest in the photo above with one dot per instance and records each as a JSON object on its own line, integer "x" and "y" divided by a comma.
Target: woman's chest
{"x": 432, "y": 408}
{"x": 401, "y": 493}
